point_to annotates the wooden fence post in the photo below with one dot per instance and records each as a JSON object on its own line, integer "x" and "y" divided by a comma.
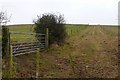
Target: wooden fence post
{"x": 37, "y": 62}
{"x": 8, "y": 49}
{"x": 47, "y": 38}
{"x": 71, "y": 31}
{"x": 11, "y": 63}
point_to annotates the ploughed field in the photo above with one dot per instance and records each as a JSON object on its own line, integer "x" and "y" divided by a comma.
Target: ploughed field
{"x": 89, "y": 52}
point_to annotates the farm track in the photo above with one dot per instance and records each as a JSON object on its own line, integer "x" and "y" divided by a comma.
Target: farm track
{"x": 97, "y": 53}
{"x": 94, "y": 54}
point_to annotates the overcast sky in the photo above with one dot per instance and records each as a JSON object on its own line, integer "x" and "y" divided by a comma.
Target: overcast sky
{"x": 75, "y": 11}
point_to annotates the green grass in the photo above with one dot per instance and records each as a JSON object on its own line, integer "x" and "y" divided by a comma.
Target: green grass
{"x": 21, "y": 28}
{"x": 30, "y": 27}
{"x": 111, "y": 30}
{"x": 21, "y": 37}
{"x": 71, "y": 29}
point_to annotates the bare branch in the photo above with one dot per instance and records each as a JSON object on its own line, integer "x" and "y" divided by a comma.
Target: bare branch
{"x": 3, "y": 18}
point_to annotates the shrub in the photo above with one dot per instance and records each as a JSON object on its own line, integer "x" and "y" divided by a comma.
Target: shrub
{"x": 55, "y": 25}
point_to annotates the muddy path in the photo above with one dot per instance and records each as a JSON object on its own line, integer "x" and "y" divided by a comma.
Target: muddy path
{"x": 96, "y": 53}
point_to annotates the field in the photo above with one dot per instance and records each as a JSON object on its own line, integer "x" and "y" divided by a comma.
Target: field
{"x": 21, "y": 28}
{"x": 89, "y": 52}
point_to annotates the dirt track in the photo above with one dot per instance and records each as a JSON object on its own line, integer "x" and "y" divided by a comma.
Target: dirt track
{"x": 97, "y": 51}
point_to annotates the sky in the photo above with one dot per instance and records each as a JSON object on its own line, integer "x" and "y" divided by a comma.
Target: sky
{"x": 74, "y": 11}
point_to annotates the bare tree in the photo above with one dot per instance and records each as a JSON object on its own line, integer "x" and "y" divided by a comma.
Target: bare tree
{"x": 4, "y": 18}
